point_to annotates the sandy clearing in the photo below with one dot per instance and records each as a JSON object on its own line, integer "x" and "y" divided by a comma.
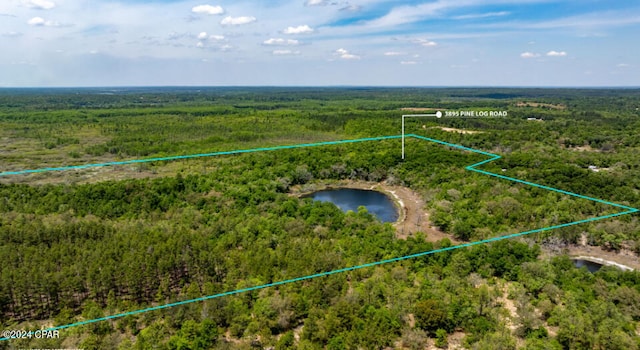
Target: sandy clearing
{"x": 460, "y": 131}
{"x": 510, "y": 306}
{"x": 583, "y": 149}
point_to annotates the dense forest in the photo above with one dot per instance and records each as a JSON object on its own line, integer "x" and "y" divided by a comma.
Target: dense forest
{"x": 82, "y": 244}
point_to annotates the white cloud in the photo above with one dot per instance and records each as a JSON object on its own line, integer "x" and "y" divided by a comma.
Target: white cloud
{"x": 529, "y": 55}
{"x": 303, "y": 29}
{"x": 426, "y": 43}
{"x": 623, "y": 65}
{"x": 285, "y": 52}
{"x": 317, "y": 2}
{"x": 556, "y": 53}
{"x": 281, "y": 42}
{"x": 345, "y": 55}
{"x": 39, "y": 4}
{"x": 235, "y": 21}
{"x": 41, "y": 22}
{"x": 36, "y": 21}
{"x": 204, "y": 37}
{"x": 207, "y": 10}
{"x": 393, "y": 53}
{"x": 408, "y": 14}
{"x": 408, "y": 62}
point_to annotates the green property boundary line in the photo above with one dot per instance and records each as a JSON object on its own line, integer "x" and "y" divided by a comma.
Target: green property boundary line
{"x": 493, "y": 157}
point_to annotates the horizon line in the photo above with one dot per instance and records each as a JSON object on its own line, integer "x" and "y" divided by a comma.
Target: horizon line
{"x": 585, "y": 87}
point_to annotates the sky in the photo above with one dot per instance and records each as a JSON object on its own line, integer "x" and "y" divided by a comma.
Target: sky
{"x": 72, "y": 43}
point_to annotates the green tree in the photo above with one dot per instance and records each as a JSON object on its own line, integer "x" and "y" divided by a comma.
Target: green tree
{"x": 430, "y": 315}
{"x": 194, "y": 336}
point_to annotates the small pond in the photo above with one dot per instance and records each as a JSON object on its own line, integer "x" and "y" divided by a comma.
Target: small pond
{"x": 590, "y": 265}
{"x": 347, "y": 199}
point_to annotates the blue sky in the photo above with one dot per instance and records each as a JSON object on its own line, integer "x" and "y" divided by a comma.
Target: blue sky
{"x": 320, "y": 42}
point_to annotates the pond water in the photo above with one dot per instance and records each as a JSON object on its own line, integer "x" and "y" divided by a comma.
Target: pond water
{"x": 590, "y": 265}
{"x": 347, "y": 199}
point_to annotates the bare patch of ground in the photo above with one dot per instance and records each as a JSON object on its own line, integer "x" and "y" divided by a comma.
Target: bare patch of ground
{"x": 454, "y": 341}
{"x": 229, "y": 338}
{"x": 583, "y": 149}
{"x": 510, "y": 306}
{"x": 413, "y": 216}
{"x": 411, "y": 320}
{"x": 460, "y": 131}
{"x": 297, "y": 332}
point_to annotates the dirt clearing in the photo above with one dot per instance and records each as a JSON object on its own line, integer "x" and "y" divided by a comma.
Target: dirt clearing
{"x": 460, "y": 131}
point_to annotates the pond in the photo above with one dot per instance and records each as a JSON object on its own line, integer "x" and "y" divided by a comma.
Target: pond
{"x": 590, "y": 265}
{"x": 346, "y": 199}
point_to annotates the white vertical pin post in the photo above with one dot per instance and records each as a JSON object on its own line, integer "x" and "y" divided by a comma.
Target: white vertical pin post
{"x": 437, "y": 115}
{"x": 403, "y": 137}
